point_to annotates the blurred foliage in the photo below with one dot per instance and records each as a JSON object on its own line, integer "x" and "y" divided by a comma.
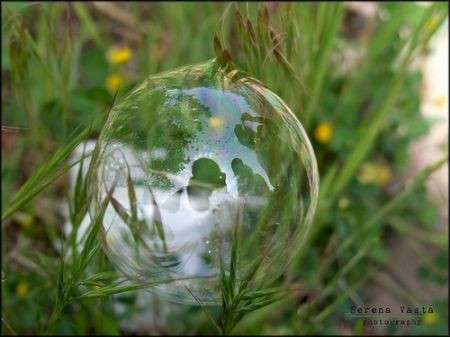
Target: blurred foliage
{"x": 346, "y": 76}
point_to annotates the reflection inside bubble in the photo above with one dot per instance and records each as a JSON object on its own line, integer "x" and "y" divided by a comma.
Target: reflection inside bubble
{"x": 190, "y": 156}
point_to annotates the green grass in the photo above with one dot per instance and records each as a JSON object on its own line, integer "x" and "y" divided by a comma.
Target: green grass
{"x": 54, "y": 69}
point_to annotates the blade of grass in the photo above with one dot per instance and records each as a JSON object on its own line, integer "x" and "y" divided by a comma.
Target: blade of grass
{"x": 397, "y": 201}
{"x": 377, "y": 218}
{"x": 208, "y": 314}
{"x": 88, "y": 23}
{"x": 331, "y": 308}
{"x": 374, "y": 125}
{"x": 45, "y": 175}
{"x": 330, "y": 29}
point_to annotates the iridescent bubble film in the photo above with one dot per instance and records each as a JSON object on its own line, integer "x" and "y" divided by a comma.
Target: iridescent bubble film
{"x": 196, "y": 159}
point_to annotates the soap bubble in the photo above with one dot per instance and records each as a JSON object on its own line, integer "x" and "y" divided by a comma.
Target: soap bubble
{"x": 196, "y": 159}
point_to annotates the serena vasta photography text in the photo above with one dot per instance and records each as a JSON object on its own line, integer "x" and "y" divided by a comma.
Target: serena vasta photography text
{"x": 400, "y": 315}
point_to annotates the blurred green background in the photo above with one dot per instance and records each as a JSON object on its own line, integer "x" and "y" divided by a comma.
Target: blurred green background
{"x": 347, "y": 73}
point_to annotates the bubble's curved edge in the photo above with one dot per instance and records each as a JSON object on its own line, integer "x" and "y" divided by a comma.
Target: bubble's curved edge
{"x": 312, "y": 170}
{"x": 313, "y": 178}
{"x": 309, "y": 160}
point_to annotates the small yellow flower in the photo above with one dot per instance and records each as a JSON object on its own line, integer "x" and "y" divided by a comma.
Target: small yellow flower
{"x": 440, "y": 101}
{"x": 432, "y": 23}
{"x": 384, "y": 175}
{"x": 114, "y": 81}
{"x": 22, "y": 289}
{"x": 373, "y": 173}
{"x": 118, "y": 55}
{"x": 216, "y": 122}
{"x": 430, "y": 318}
{"x": 343, "y": 203}
{"x": 25, "y": 220}
{"x": 324, "y": 132}
{"x": 367, "y": 173}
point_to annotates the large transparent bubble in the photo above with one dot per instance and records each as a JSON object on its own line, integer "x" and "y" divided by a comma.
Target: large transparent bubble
{"x": 196, "y": 159}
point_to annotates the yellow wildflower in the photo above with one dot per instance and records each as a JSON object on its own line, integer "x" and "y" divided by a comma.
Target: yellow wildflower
{"x": 440, "y": 101}
{"x": 430, "y": 318}
{"x": 432, "y": 23}
{"x": 324, "y": 132}
{"x": 25, "y": 220}
{"x": 367, "y": 173}
{"x": 384, "y": 175}
{"x": 22, "y": 289}
{"x": 216, "y": 122}
{"x": 114, "y": 81}
{"x": 118, "y": 55}
{"x": 343, "y": 203}
{"x": 373, "y": 173}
